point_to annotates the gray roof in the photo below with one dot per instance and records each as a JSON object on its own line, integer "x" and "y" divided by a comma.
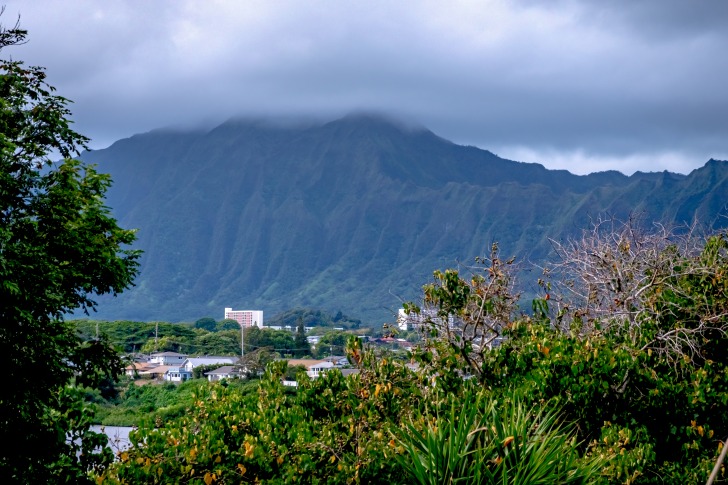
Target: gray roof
{"x": 226, "y": 369}
{"x": 212, "y": 360}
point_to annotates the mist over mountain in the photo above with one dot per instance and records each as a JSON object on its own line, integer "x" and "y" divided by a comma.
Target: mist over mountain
{"x": 348, "y": 215}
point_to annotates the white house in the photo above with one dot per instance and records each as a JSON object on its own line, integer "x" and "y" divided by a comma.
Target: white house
{"x": 314, "y": 368}
{"x": 224, "y": 372}
{"x": 177, "y": 374}
{"x": 192, "y": 362}
{"x": 167, "y": 358}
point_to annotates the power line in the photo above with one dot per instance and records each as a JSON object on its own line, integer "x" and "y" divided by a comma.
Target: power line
{"x": 198, "y": 345}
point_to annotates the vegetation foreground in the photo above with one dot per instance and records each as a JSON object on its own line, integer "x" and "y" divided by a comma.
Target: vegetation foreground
{"x": 636, "y": 395}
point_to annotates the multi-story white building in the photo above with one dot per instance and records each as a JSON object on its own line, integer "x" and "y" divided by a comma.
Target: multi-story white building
{"x": 246, "y": 318}
{"x": 415, "y": 320}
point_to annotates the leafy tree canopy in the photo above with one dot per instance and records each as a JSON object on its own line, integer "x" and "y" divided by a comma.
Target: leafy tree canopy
{"x": 59, "y": 246}
{"x": 206, "y": 323}
{"x": 130, "y": 336}
{"x": 227, "y": 324}
{"x": 280, "y": 341}
{"x": 303, "y": 348}
{"x": 332, "y": 343}
{"x": 313, "y": 318}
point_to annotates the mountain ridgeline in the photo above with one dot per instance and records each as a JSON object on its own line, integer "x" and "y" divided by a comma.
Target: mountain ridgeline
{"x": 349, "y": 215}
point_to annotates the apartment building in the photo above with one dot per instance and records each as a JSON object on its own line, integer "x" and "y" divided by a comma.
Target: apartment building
{"x": 246, "y": 318}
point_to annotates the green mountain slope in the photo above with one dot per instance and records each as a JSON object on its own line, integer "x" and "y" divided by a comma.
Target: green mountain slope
{"x": 347, "y": 215}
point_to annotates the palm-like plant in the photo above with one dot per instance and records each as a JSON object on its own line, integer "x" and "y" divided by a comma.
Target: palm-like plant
{"x": 476, "y": 441}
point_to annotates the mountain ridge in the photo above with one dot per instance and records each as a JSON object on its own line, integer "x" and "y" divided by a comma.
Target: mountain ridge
{"x": 340, "y": 215}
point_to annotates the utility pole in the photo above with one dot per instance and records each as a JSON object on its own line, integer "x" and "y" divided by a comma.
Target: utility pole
{"x": 156, "y": 335}
{"x": 242, "y": 340}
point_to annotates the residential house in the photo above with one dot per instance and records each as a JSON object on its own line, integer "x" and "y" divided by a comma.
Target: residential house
{"x": 314, "y": 368}
{"x": 136, "y": 368}
{"x": 191, "y": 362}
{"x": 167, "y": 358}
{"x": 156, "y": 372}
{"x": 224, "y": 372}
{"x": 177, "y": 374}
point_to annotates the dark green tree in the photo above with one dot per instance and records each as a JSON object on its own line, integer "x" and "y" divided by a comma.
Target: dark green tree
{"x": 227, "y": 324}
{"x": 215, "y": 343}
{"x": 206, "y": 323}
{"x": 300, "y": 341}
{"x": 59, "y": 246}
{"x": 280, "y": 341}
{"x": 332, "y": 343}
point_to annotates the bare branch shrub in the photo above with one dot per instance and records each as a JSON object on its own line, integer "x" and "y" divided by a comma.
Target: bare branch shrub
{"x": 619, "y": 276}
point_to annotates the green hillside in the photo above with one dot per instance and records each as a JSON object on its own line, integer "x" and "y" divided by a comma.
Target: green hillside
{"x": 349, "y": 215}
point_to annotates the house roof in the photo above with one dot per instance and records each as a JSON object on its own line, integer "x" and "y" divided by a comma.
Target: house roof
{"x": 335, "y": 358}
{"x": 160, "y": 369}
{"x": 308, "y": 363}
{"x": 141, "y": 366}
{"x": 168, "y": 354}
{"x": 179, "y": 369}
{"x": 224, "y": 370}
{"x": 304, "y": 362}
{"x": 211, "y": 360}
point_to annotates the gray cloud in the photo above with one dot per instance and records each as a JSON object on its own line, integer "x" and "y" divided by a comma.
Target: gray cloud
{"x": 666, "y": 19}
{"x": 582, "y": 85}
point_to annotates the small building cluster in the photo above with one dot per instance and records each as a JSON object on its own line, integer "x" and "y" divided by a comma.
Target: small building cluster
{"x": 414, "y": 321}
{"x": 172, "y": 366}
{"x": 176, "y": 367}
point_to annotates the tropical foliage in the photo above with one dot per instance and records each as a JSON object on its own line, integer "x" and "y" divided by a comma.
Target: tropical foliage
{"x": 59, "y": 247}
{"x": 313, "y": 318}
{"x": 475, "y": 441}
{"x": 151, "y": 404}
{"x": 562, "y": 396}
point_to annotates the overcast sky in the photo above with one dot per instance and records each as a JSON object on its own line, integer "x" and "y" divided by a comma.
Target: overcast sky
{"x": 582, "y": 85}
